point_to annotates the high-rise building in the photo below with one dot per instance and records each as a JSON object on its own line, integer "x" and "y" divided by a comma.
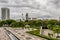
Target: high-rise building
{"x": 26, "y": 16}
{"x": 5, "y": 13}
{"x": 22, "y": 17}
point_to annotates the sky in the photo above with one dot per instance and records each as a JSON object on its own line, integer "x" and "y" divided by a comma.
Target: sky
{"x": 35, "y": 8}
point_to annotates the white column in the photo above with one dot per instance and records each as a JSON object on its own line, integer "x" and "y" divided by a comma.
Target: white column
{"x": 41, "y": 30}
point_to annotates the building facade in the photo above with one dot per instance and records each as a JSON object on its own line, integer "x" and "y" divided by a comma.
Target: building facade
{"x": 5, "y": 13}
{"x": 26, "y": 16}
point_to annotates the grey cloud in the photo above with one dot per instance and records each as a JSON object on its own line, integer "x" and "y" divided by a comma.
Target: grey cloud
{"x": 3, "y": 1}
{"x": 55, "y": 3}
{"x": 29, "y": 5}
{"x": 52, "y": 7}
{"x": 22, "y": 3}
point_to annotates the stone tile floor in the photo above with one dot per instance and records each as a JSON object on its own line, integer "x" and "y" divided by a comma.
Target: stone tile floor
{"x": 3, "y": 35}
{"x": 22, "y": 33}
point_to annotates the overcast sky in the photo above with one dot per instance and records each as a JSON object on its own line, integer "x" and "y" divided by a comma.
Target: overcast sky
{"x": 35, "y": 8}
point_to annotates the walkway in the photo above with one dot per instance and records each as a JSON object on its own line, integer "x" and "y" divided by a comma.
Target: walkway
{"x": 23, "y": 35}
{"x": 3, "y": 35}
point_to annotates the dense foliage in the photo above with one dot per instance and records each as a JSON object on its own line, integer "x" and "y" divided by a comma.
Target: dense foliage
{"x": 18, "y": 24}
{"x": 7, "y": 22}
{"x": 50, "y": 24}
{"x": 1, "y": 23}
{"x": 35, "y": 23}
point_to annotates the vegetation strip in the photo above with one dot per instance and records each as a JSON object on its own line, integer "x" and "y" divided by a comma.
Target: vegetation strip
{"x": 40, "y": 35}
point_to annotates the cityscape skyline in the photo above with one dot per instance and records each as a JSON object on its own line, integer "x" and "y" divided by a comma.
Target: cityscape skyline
{"x": 41, "y": 9}
{"x": 29, "y": 19}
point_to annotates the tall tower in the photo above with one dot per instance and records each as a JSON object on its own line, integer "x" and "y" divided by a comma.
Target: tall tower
{"x": 5, "y": 13}
{"x": 26, "y": 16}
{"x": 22, "y": 17}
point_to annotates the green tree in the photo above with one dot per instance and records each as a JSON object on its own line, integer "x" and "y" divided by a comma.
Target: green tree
{"x": 49, "y": 26}
{"x": 39, "y": 23}
{"x": 56, "y": 29}
{"x": 18, "y": 24}
{"x": 32, "y": 23}
{"x": 44, "y": 23}
{"x": 53, "y": 22}
{"x": 35, "y": 23}
{"x": 1, "y": 23}
{"x": 8, "y": 22}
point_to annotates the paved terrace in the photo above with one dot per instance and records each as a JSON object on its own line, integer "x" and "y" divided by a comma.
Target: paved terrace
{"x": 3, "y": 35}
{"x": 22, "y": 35}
